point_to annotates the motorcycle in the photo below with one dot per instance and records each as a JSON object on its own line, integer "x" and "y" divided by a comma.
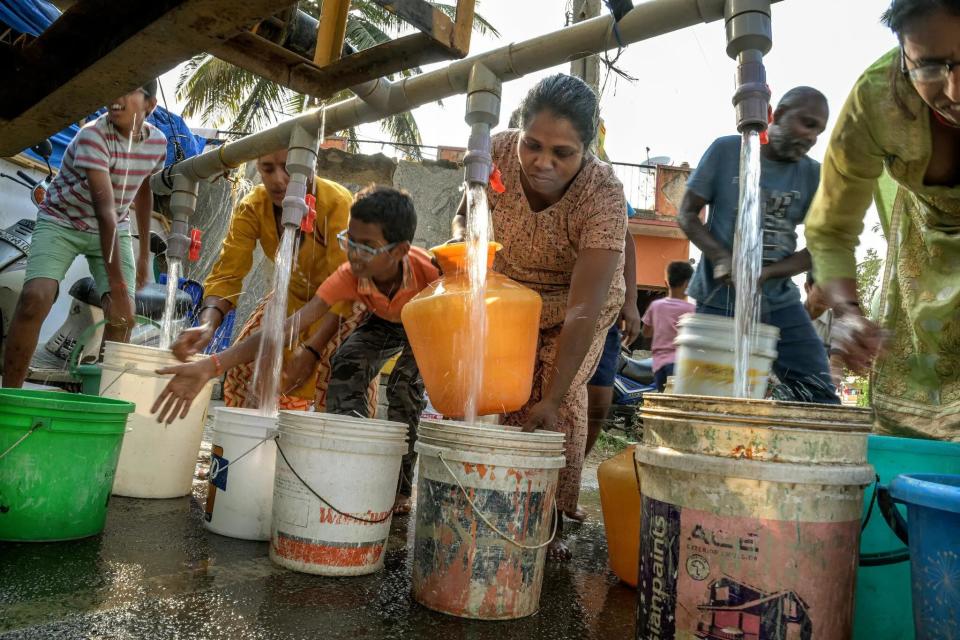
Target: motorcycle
{"x": 51, "y": 360}
{"x": 633, "y": 379}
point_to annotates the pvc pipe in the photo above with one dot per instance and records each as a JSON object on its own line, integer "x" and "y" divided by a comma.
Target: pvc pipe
{"x": 510, "y": 62}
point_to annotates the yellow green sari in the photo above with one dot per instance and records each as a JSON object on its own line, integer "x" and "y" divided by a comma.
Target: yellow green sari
{"x": 915, "y": 385}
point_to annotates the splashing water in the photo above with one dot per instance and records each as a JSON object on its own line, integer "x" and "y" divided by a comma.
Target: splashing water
{"x": 169, "y": 308}
{"x": 478, "y": 237}
{"x": 747, "y": 262}
{"x": 266, "y": 376}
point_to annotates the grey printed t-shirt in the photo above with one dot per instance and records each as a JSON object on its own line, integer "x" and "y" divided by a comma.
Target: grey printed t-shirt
{"x": 787, "y": 188}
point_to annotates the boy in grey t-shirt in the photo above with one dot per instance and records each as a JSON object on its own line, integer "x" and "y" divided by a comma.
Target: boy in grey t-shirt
{"x": 788, "y": 181}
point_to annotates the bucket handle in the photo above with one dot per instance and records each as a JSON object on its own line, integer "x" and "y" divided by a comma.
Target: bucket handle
{"x": 321, "y": 499}
{"x": 39, "y": 423}
{"x": 882, "y": 499}
{"x": 215, "y": 467}
{"x": 486, "y": 521}
{"x": 87, "y": 333}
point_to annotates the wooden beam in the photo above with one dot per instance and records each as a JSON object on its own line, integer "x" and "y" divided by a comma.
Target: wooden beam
{"x": 291, "y": 70}
{"x": 331, "y": 31}
{"x": 83, "y": 61}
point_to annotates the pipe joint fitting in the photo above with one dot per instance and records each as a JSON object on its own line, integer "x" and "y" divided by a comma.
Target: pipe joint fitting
{"x": 748, "y": 26}
{"x": 294, "y": 203}
{"x": 178, "y": 242}
{"x": 752, "y": 96}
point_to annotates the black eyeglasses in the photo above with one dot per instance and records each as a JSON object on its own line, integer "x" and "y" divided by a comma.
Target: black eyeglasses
{"x": 929, "y": 73}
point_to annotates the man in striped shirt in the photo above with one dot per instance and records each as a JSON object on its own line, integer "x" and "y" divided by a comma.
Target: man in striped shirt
{"x": 105, "y": 170}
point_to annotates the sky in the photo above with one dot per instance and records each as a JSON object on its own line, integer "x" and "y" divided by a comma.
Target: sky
{"x": 681, "y": 99}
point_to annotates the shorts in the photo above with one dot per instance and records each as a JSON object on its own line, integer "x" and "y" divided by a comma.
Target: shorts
{"x": 607, "y": 367}
{"x": 53, "y": 249}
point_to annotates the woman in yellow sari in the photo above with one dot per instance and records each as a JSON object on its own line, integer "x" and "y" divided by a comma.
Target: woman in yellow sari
{"x": 903, "y": 116}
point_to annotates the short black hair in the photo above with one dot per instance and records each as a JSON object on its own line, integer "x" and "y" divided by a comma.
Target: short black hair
{"x": 678, "y": 272}
{"x": 566, "y": 97}
{"x": 901, "y": 12}
{"x": 150, "y": 88}
{"x": 388, "y": 207}
{"x": 800, "y": 95}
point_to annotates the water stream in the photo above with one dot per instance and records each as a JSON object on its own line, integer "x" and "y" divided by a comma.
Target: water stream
{"x": 478, "y": 237}
{"x": 169, "y": 308}
{"x": 747, "y": 262}
{"x": 266, "y": 377}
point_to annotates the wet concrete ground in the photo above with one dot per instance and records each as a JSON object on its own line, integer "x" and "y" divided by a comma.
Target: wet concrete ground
{"x": 155, "y": 573}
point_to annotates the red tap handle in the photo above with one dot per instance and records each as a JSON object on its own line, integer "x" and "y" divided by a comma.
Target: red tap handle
{"x": 195, "y": 245}
{"x": 496, "y": 180}
{"x": 306, "y": 225}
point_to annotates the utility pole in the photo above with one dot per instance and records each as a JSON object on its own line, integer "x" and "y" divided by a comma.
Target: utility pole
{"x": 587, "y": 69}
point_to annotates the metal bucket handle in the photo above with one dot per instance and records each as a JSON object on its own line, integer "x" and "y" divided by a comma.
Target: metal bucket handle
{"x": 486, "y": 521}
{"x": 276, "y": 439}
{"x": 895, "y": 520}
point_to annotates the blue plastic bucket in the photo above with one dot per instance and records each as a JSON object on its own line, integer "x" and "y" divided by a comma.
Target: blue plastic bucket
{"x": 884, "y": 609}
{"x": 933, "y": 525}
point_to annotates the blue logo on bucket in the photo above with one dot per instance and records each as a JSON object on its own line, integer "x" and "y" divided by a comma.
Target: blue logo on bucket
{"x": 218, "y": 471}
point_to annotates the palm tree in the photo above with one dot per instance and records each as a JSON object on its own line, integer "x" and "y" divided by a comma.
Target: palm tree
{"x": 221, "y": 94}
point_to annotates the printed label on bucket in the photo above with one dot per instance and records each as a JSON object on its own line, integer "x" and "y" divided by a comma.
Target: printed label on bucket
{"x": 217, "y": 479}
{"x": 715, "y": 577}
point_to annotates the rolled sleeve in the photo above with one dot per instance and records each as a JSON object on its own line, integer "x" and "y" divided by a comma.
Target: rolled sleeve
{"x": 236, "y": 256}
{"x": 851, "y": 167}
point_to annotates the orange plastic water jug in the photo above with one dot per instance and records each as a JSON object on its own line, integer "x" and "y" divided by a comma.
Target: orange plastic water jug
{"x": 620, "y": 501}
{"x": 438, "y": 326}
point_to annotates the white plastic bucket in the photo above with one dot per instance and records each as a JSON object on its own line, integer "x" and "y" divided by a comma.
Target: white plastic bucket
{"x": 750, "y": 523}
{"x": 157, "y": 460}
{"x": 705, "y": 362}
{"x": 352, "y": 464}
{"x": 240, "y": 481}
{"x": 485, "y": 505}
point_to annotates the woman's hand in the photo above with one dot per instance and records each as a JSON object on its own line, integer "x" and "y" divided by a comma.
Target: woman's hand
{"x": 856, "y": 339}
{"x": 188, "y": 380}
{"x": 543, "y": 415}
{"x": 300, "y": 366}
{"x": 143, "y": 270}
{"x": 192, "y": 341}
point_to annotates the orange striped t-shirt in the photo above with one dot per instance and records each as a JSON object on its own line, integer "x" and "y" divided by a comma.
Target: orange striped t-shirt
{"x": 418, "y": 272}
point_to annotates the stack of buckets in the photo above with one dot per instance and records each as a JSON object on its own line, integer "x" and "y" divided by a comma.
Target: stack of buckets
{"x": 750, "y": 517}
{"x": 319, "y": 487}
{"x": 485, "y": 507}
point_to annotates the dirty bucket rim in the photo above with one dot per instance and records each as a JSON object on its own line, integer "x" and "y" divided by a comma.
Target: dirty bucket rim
{"x": 709, "y": 320}
{"x": 555, "y": 461}
{"x": 311, "y": 417}
{"x": 491, "y": 429}
{"x": 243, "y": 423}
{"x": 940, "y": 491}
{"x": 781, "y": 472}
{"x": 660, "y": 399}
{"x": 771, "y": 422}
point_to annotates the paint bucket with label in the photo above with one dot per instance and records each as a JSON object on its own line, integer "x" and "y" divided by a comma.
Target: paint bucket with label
{"x": 485, "y": 506}
{"x": 333, "y": 492}
{"x": 240, "y": 480}
{"x": 705, "y": 356}
{"x": 157, "y": 460}
{"x": 750, "y": 519}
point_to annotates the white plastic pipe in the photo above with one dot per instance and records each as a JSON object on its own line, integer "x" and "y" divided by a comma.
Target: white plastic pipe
{"x": 510, "y": 62}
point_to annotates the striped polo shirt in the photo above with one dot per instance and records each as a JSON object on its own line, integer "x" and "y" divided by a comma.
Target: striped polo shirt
{"x": 99, "y": 146}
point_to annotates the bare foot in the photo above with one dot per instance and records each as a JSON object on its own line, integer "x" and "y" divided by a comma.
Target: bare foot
{"x": 401, "y": 505}
{"x": 557, "y": 551}
{"x": 577, "y": 516}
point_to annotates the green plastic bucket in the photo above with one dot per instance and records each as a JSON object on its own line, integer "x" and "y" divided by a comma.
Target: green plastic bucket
{"x": 884, "y": 606}
{"x": 58, "y": 456}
